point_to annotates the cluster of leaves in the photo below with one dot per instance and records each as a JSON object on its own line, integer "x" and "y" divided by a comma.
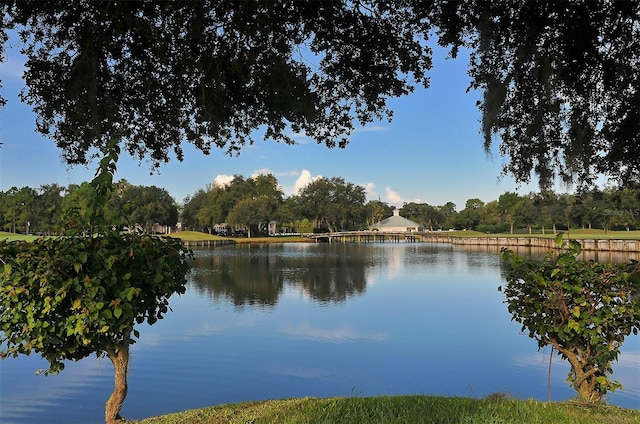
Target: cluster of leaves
{"x": 333, "y": 203}
{"x": 329, "y": 202}
{"x": 559, "y": 79}
{"x": 51, "y": 208}
{"x": 212, "y": 72}
{"x": 582, "y": 309}
{"x": 68, "y": 297}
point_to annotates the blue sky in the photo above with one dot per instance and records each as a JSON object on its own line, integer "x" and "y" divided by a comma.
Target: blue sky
{"x": 431, "y": 152}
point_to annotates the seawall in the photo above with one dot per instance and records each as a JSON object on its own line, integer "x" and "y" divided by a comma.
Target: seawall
{"x": 550, "y": 243}
{"x": 206, "y": 243}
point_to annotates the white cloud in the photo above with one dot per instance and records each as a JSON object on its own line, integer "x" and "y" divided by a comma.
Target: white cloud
{"x": 222, "y": 180}
{"x": 393, "y": 197}
{"x": 370, "y": 190}
{"x": 287, "y": 174}
{"x": 372, "y": 128}
{"x": 304, "y": 180}
{"x": 261, "y": 171}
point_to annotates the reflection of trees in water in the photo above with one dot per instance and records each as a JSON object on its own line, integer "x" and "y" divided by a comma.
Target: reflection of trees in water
{"x": 256, "y": 275}
{"x": 241, "y": 279}
{"x": 329, "y": 277}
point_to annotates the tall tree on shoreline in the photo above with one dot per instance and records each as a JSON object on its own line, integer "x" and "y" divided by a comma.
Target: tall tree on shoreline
{"x": 66, "y": 298}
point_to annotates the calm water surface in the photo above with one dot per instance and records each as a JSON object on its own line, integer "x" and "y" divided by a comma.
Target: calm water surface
{"x": 293, "y": 320}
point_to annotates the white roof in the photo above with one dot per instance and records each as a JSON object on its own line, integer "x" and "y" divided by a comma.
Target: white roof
{"x": 396, "y": 222}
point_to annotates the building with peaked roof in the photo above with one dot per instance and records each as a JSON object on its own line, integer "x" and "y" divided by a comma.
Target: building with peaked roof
{"x": 396, "y": 224}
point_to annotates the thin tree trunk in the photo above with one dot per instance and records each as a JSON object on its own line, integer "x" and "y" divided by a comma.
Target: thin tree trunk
{"x": 584, "y": 381}
{"x": 119, "y": 356}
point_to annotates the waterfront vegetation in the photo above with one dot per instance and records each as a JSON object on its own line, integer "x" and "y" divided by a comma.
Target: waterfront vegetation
{"x": 413, "y": 409}
{"x": 69, "y": 109}
{"x": 496, "y": 408}
{"x": 66, "y": 298}
{"x": 578, "y": 234}
{"x": 573, "y": 234}
{"x": 16, "y": 237}
{"x": 256, "y": 207}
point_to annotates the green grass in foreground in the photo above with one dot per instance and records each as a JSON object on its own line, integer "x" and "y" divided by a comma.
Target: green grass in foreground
{"x": 401, "y": 409}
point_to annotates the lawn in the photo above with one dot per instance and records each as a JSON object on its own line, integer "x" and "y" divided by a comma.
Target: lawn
{"x": 416, "y": 409}
{"x": 12, "y": 236}
{"x": 198, "y": 236}
{"x": 574, "y": 234}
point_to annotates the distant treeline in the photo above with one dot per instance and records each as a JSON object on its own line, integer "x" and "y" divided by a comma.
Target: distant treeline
{"x": 53, "y": 209}
{"x": 257, "y": 205}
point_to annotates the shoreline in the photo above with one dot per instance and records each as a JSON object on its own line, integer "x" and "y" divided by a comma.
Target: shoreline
{"x": 589, "y": 245}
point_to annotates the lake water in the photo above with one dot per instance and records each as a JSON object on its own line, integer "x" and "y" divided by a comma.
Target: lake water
{"x": 294, "y": 320}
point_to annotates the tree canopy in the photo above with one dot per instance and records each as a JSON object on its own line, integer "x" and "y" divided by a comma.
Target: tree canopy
{"x": 560, "y": 83}
{"x": 583, "y": 309}
{"x": 559, "y": 80}
{"x": 210, "y": 73}
{"x": 66, "y": 298}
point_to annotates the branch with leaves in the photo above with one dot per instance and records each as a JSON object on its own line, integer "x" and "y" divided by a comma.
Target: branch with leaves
{"x": 582, "y": 309}
{"x": 66, "y": 298}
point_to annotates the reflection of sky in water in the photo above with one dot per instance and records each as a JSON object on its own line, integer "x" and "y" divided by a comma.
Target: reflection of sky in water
{"x": 394, "y": 318}
{"x": 342, "y": 334}
{"x": 39, "y": 397}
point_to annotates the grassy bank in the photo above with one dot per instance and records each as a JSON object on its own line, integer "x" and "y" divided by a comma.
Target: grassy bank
{"x": 12, "y": 236}
{"x": 197, "y": 236}
{"x": 401, "y": 409}
{"x": 574, "y": 234}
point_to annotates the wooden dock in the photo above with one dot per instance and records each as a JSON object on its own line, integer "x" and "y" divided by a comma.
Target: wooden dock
{"x": 367, "y": 237}
{"x": 605, "y": 245}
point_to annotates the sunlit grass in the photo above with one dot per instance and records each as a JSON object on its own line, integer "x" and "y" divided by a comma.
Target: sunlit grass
{"x": 461, "y": 233}
{"x": 198, "y": 236}
{"x": 195, "y": 236}
{"x": 280, "y": 239}
{"x": 536, "y": 233}
{"x": 401, "y": 409}
{"x": 14, "y": 237}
